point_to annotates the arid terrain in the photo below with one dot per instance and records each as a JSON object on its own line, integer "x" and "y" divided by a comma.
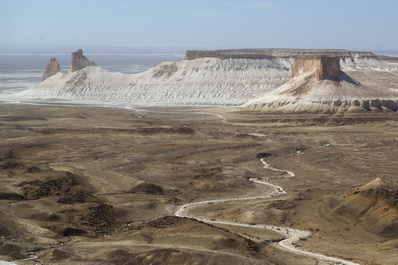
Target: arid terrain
{"x": 92, "y": 185}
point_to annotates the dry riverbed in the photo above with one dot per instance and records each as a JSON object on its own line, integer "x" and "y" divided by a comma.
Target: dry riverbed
{"x": 100, "y": 185}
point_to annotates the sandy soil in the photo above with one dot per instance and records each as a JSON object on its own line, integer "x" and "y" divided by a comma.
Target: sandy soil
{"x": 93, "y": 185}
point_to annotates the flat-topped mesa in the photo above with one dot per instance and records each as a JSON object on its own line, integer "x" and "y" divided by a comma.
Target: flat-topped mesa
{"x": 51, "y": 69}
{"x": 272, "y": 53}
{"x": 324, "y": 67}
{"x": 246, "y": 76}
{"x": 318, "y": 85}
{"x": 79, "y": 61}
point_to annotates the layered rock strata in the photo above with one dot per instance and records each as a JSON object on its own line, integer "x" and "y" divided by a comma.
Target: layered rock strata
{"x": 373, "y": 206}
{"x": 52, "y": 68}
{"x": 275, "y": 53}
{"x": 324, "y": 67}
{"x": 319, "y": 85}
{"x": 231, "y": 78}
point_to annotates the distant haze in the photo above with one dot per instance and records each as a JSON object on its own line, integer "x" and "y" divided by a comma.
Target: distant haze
{"x": 348, "y": 24}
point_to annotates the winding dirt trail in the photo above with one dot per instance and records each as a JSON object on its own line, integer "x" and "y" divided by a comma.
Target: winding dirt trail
{"x": 292, "y": 235}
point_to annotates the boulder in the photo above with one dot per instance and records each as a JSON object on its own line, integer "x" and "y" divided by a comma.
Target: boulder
{"x": 79, "y": 61}
{"x": 51, "y": 69}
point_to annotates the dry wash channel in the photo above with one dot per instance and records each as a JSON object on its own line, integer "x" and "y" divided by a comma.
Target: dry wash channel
{"x": 292, "y": 235}
{"x": 127, "y": 168}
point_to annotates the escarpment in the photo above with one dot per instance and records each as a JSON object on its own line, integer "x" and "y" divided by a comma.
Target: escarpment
{"x": 276, "y": 53}
{"x": 323, "y": 67}
{"x": 234, "y": 77}
{"x": 319, "y": 85}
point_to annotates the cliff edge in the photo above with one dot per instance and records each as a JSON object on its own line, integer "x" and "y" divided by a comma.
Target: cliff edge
{"x": 324, "y": 67}
{"x": 319, "y": 85}
{"x": 228, "y": 77}
{"x": 275, "y": 53}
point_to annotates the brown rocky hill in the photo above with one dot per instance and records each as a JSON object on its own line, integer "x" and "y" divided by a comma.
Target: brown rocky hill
{"x": 374, "y": 206}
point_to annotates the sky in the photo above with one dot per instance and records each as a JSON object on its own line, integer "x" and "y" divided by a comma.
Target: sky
{"x": 213, "y": 24}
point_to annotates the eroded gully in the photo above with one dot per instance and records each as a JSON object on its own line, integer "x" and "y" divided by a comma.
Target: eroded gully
{"x": 291, "y": 235}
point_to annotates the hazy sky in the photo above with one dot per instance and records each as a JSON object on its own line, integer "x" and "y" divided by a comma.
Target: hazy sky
{"x": 351, "y": 24}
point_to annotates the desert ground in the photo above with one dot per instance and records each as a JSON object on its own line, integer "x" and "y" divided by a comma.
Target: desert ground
{"x": 100, "y": 185}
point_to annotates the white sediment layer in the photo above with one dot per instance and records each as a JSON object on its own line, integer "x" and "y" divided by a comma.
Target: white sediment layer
{"x": 304, "y": 93}
{"x": 201, "y": 81}
{"x": 7, "y": 263}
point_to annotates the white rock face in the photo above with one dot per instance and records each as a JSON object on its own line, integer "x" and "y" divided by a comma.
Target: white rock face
{"x": 311, "y": 91}
{"x": 232, "y": 81}
{"x": 201, "y": 81}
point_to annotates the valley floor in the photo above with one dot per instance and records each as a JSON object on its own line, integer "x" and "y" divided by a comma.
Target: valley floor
{"x": 92, "y": 185}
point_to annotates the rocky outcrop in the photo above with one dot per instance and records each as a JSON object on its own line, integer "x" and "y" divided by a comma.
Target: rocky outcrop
{"x": 276, "y": 53}
{"x": 232, "y": 77}
{"x": 319, "y": 85}
{"x": 324, "y": 67}
{"x": 79, "y": 61}
{"x": 52, "y": 68}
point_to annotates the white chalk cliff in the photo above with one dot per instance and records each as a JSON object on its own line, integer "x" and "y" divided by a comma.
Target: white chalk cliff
{"x": 230, "y": 77}
{"x": 319, "y": 85}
